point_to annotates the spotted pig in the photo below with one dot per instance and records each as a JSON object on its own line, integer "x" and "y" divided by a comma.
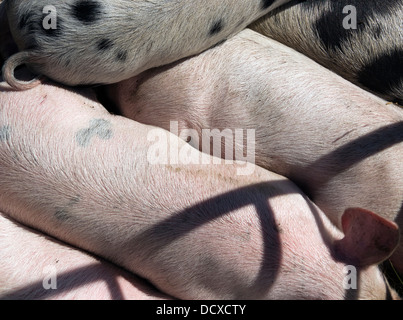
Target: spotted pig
{"x": 361, "y": 40}
{"x": 80, "y": 42}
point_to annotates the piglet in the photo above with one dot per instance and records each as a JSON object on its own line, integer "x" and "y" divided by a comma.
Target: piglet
{"x": 360, "y": 40}
{"x": 104, "y": 41}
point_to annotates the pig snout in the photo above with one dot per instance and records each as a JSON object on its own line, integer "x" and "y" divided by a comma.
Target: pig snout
{"x": 192, "y": 230}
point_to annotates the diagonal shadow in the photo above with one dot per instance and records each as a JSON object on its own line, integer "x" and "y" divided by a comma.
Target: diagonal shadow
{"x": 66, "y": 282}
{"x": 83, "y": 276}
{"x": 100, "y": 270}
{"x": 342, "y": 158}
{"x": 178, "y": 225}
{"x": 183, "y": 222}
{"x": 351, "y": 153}
{"x": 334, "y": 163}
{"x": 345, "y": 157}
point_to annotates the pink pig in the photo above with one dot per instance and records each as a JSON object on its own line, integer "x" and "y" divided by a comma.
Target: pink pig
{"x": 73, "y": 171}
{"x": 342, "y": 145}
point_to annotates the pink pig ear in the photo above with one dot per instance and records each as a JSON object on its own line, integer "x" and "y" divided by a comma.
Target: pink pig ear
{"x": 369, "y": 239}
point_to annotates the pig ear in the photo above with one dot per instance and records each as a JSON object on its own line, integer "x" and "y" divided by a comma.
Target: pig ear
{"x": 369, "y": 239}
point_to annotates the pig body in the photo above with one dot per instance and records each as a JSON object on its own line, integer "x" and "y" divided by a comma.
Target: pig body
{"x": 342, "y": 145}
{"x": 360, "y": 40}
{"x": 34, "y": 266}
{"x": 105, "y": 41}
{"x": 194, "y": 231}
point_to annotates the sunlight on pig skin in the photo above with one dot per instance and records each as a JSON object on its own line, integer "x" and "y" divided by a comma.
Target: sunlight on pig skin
{"x": 97, "y": 221}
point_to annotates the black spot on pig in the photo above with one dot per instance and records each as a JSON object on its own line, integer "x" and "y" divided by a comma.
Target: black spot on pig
{"x": 331, "y": 39}
{"x": 86, "y": 11}
{"x": 216, "y": 27}
{"x": 104, "y": 44}
{"x": 29, "y": 22}
{"x": 62, "y": 213}
{"x": 267, "y": 3}
{"x": 121, "y": 56}
{"x": 384, "y": 73}
{"x": 24, "y": 20}
{"x": 67, "y": 62}
{"x": 329, "y": 26}
{"x": 335, "y": 36}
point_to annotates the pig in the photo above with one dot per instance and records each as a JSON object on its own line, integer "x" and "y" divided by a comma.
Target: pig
{"x": 72, "y": 170}
{"x": 361, "y": 40}
{"x": 341, "y": 145}
{"x": 34, "y": 266}
{"x": 89, "y": 42}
